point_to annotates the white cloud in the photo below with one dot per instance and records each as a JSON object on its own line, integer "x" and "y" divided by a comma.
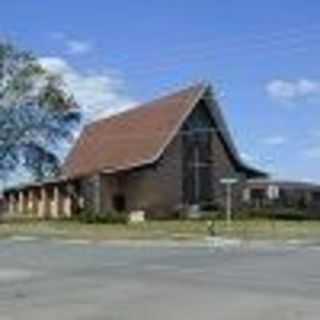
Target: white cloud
{"x": 72, "y": 45}
{"x": 275, "y": 141}
{"x": 98, "y": 94}
{"x": 292, "y": 90}
{"x": 77, "y": 47}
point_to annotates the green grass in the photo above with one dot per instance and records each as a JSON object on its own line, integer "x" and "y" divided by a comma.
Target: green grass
{"x": 179, "y": 230}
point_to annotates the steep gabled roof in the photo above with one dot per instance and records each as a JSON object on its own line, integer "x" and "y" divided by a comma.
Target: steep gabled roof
{"x": 139, "y": 136}
{"x": 226, "y": 138}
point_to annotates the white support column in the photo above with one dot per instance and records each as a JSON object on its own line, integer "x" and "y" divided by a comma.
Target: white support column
{"x": 56, "y": 203}
{"x": 67, "y": 202}
{"x": 12, "y": 204}
{"x": 67, "y": 207}
{"x": 21, "y": 202}
{"x": 247, "y": 195}
{"x": 44, "y": 207}
{"x": 31, "y": 202}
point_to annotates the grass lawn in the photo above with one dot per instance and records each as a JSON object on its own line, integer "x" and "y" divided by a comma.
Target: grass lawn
{"x": 177, "y": 230}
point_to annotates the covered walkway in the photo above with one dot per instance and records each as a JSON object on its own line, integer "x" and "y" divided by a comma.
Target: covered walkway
{"x": 54, "y": 199}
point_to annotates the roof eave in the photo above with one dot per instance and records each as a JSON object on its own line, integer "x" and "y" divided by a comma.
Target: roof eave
{"x": 255, "y": 173}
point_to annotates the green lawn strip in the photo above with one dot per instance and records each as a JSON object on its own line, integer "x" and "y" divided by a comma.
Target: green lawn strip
{"x": 259, "y": 229}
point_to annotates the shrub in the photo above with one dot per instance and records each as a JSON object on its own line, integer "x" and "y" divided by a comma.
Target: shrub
{"x": 274, "y": 213}
{"x": 111, "y": 217}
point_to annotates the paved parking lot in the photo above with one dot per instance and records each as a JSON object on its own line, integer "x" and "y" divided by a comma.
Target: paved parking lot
{"x": 78, "y": 280}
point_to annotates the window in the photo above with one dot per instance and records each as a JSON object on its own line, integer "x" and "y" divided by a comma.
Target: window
{"x": 198, "y": 158}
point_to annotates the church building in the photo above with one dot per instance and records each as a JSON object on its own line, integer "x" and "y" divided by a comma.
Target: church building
{"x": 163, "y": 156}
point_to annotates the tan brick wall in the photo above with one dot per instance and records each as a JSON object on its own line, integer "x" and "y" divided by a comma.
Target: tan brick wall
{"x": 156, "y": 188}
{"x": 159, "y": 187}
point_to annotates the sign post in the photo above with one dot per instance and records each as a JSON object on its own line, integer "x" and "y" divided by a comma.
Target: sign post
{"x": 228, "y": 182}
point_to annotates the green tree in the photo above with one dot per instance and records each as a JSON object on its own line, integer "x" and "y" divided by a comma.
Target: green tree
{"x": 36, "y": 114}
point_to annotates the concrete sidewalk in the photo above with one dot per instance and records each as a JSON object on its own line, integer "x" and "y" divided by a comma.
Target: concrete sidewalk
{"x": 214, "y": 242}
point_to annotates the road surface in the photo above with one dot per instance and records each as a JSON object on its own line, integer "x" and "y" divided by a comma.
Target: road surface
{"x": 44, "y": 279}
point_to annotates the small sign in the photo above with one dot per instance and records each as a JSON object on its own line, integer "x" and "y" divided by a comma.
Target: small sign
{"x": 273, "y": 192}
{"x": 229, "y": 181}
{"x": 137, "y": 217}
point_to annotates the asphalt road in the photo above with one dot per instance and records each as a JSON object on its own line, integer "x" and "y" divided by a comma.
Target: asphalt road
{"x": 57, "y": 280}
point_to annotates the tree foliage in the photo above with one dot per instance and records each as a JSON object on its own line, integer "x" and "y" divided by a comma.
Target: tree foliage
{"x": 36, "y": 114}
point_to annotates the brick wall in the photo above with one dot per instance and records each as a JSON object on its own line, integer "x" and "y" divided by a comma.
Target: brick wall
{"x": 158, "y": 188}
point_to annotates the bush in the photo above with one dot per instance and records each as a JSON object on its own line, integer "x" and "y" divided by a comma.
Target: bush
{"x": 274, "y": 213}
{"x": 211, "y": 207}
{"x": 110, "y": 217}
{"x": 183, "y": 214}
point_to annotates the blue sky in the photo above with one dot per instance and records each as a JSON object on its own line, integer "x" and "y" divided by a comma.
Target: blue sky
{"x": 261, "y": 56}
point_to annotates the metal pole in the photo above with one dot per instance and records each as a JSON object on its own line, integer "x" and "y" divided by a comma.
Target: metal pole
{"x": 229, "y": 203}
{"x": 229, "y": 182}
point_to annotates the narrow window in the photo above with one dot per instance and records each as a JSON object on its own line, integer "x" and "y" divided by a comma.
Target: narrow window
{"x": 119, "y": 202}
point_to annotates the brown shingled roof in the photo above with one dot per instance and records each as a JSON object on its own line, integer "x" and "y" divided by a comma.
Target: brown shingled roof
{"x": 132, "y": 138}
{"x": 139, "y": 136}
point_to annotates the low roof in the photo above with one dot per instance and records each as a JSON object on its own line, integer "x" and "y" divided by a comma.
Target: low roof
{"x": 284, "y": 184}
{"x": 36, "y": 184}
{"x": 139, "y": 136}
